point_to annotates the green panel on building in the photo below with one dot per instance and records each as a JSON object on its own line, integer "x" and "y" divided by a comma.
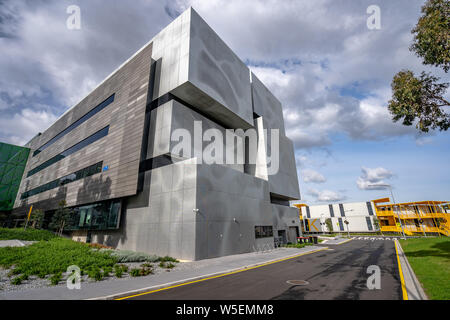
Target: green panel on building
{"x": 12, "y": 164}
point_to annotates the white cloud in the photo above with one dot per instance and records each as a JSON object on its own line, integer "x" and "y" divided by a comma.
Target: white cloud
{"x": 311, "y": 176}
{"x": 24, "y": 125}
{"x": 373, "y": 178}
{"x": 326, "y": 195}
{"x": 42, "y": 61}
{"x": 306, "y": 52}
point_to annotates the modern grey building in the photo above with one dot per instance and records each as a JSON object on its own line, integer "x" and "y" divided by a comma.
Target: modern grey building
{"x": 111, "y": 157}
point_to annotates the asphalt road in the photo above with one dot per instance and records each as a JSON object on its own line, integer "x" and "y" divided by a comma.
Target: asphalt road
{"x": 340, "y": 274}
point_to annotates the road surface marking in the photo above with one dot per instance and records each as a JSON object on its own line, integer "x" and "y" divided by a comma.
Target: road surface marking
{"x": 219, "y": 276}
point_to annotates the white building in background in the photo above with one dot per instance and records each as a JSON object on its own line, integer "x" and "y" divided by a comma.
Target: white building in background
{"x": 359, "y": 215}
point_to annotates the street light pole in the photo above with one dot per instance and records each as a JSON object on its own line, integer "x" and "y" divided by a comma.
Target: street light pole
{"x": 347, "y": 223}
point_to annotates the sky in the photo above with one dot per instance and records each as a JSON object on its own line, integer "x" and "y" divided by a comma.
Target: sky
{"x": 331, "y": 72}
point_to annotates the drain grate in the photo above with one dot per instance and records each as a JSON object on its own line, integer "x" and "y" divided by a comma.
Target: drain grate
{"x": 298, "y": 282}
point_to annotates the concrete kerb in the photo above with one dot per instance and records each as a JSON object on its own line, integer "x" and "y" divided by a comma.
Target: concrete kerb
{"x": 413, "y": 287}
{"x": 202, "y": 277}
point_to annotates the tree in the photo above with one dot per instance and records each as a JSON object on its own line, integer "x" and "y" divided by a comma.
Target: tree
{"x": 37, "y": 217}
{"x": 329, "y": 224}
{"x": 61, "y": 218}
{"x": 376, "y": 224}
{"x": 432, "y": 34}
{"x": 421, "y": 98}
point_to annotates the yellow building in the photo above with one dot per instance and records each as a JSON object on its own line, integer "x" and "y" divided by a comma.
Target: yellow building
{"x": 415, "y": 218}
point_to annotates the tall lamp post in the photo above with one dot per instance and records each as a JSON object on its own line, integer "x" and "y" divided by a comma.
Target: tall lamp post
{"x": 347, "y": 223}
{"x": 393, "y": 199}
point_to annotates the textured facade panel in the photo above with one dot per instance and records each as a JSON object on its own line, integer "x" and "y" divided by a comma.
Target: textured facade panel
{"x": 267, "y": 106}
{"x": 198, "y": 67}
{"x": 119, "y": 150}
{"x": 172, "y": 116}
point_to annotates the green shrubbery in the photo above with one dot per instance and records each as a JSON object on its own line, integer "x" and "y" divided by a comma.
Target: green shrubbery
{"x": 123, "y": 256}
{"x": 298, "y": 245}
{"x": 27, "y": 235}
{"x": 53, "y": 257}
{"x": 119, "y": 270}
{"x": 145, "y": 270}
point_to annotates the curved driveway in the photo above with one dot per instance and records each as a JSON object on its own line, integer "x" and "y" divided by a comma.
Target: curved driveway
{"x": 339, "y": 273}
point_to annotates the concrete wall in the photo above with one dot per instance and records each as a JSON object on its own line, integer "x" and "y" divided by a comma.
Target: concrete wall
{"x": 355, "y": 213}
{"x": 173, "y": 116}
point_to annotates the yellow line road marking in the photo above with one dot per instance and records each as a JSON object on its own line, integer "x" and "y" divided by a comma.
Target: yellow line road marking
{"x": 402, "y": 280}
{"x": 220, "y": 275}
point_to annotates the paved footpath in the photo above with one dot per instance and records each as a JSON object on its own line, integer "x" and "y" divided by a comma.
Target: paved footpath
{"x": 339, "y": 272}
{"x": 120, "y": 287}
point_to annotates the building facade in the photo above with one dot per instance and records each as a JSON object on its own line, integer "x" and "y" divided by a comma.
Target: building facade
{"x": 116, "y": 161}
{"x": 413, "y": 218}
{"x": 13, "y": 160}
{"x": 359, "y": 215}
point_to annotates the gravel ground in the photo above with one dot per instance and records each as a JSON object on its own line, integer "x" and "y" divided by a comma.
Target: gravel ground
{"x": 36, "y": 282}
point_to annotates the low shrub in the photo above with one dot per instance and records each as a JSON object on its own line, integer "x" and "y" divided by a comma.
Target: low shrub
{"x": 166, "y": 265}
{"x": 298, "y": 245}
{"x": 168, "y": 259}
{"x": 27, "y": 235}
{"x": 145, "y": 271}
{"x": 135, "y": 272}
{"x": 54, "y": 256}
{"x": 95, "y": 273}
{"x": 99, "y": 246}
{"x": 56, "y": 278}
{"x": 146, "y": 265}
{"x": 106, "y": 271}
{"x": 131, "y": 256}
{"x": 17, "y": 280}
{"x": 119, "y": 270}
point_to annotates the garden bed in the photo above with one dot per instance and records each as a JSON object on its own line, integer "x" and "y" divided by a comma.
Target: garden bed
{"x": 45, "y": 263}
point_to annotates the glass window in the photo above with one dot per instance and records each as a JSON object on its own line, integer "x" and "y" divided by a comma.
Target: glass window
{"x": 330, "y": 206}
{"x": 263, "y": 232}
{"x": 369, "y": 208}
{"x": 341, "y": 224}
{"x": 341, "y": 209}
{"x": 369, "y": 223}
{"x": 80, "y": 145}
{"x": 97, "y": 216}
{"x": 88, "y": 115}
{"x": 80, "y": 174}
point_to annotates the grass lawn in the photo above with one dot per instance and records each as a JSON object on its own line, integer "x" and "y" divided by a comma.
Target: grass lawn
{"x": 430, "y": 260}
{"x": 29, "y": 235}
